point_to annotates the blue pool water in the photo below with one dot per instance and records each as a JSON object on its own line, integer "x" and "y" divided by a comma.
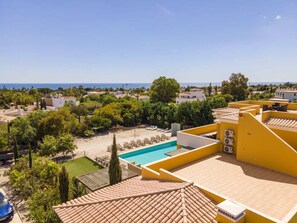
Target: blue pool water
{"x": 149, "y": 154}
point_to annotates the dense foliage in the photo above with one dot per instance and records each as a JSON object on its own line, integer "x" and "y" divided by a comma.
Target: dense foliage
{"x": 164, "y": 90}
{"x": 38, "y": 185}
{"x": 236, "y": 86}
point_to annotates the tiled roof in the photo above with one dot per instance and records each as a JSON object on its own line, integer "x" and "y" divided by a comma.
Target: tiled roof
{"x": 282, "y": 122}
{"x": 138, "y": 200}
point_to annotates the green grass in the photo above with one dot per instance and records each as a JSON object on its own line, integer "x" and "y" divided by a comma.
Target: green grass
{"x": 80, "y": 166}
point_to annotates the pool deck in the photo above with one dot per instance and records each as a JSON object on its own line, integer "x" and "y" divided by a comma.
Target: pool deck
{"x": 177, "y": 152}
{"x": 266, "y": 191}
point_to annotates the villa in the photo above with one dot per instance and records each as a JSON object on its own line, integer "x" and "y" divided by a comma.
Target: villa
{"x": 242, "y": 169}
{"x": 194, "y": 94}
{"x": 289, "y": 94}
{"x": 57, "y": 101}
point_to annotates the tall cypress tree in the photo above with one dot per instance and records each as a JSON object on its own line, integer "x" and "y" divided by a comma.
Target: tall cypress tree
{"x": 15, "y": 152}
{"x": 64, "y": 185}
{"x": 30, "y": 155}
{"x": 115, "y": 171}
{"x": 8, "y": 132}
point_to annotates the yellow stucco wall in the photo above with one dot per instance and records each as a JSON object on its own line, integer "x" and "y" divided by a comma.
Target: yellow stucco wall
{"x": 253, "y": 149}
{"x": 239, "y": 104}
{"x": 147, "y": 173}
{"x": 292, "y": 106}
{"x": 201, "y": 130}
{"x": 228, "y": 126}
{"x": 185, "y": 158}
{"x": 251, "y": 217}
{"x": 289, "y": 137}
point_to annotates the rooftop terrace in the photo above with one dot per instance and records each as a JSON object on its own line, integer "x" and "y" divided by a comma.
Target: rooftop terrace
{"x": 266, "y": 191}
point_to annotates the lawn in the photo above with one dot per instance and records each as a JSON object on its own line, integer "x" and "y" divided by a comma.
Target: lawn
{"x": 80, "y": 166}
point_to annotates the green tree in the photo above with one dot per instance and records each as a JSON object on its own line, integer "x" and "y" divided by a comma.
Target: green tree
{"x": 65, "y": 144}
{"x": 164, "y": 90}
{"x": 53, "y": 124}
{"x": 217, "y": 101}
{"x": 4, "y": 137}
{"x": 48, "y": 147}
{"x": 15, "y": 152}
{"x": 131, "y": 112}
{"x": 79, "y": 110}
{"x": 41, "y": 176}
{"x": 99, "y": 123}
{"x": 209, "y": 89}
{"x": 112, "y": 112}
{"x": 64, "y": 185}
{"x": 57, "y": 122}
{"x": 30, "y": 155}
{"x": 196, "y": 113}
{"x": 77, "y": 190}
{"x": 115, "y": 171}
{"x": 236, "y": 86}
{"x": 52, "y": 145}
{"x": 22, "y": 131}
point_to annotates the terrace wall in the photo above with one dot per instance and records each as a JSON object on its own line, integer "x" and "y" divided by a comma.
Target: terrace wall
{"x": 273, "y": 152}
{"x": 193, "y": 141}
{"x": 201, "y": 130}
{"x": 185, "y": 158}
{"x": 288, "y": 135}
{"x": 228, "y": 126}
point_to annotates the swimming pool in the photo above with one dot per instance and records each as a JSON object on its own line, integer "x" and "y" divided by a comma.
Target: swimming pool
{"x": 149, "y": 154}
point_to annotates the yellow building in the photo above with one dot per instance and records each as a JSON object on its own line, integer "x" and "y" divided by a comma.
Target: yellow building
{"x": 251, "y": 163}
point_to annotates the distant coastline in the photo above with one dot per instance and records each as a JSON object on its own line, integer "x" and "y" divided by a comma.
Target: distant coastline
{"x": 55, "y": 86}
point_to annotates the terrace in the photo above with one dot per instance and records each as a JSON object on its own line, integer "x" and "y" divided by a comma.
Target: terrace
{"x": 264, "y": 191}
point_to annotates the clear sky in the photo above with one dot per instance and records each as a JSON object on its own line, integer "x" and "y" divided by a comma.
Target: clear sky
{"x": 138, "y": 40}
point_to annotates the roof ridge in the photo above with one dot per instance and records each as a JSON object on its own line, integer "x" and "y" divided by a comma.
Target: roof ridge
{"x": 64, "y": 205}
{"x": 183, "y": 203}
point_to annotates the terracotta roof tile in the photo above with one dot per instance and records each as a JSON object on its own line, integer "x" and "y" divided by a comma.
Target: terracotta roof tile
{"x": 138, "y": 200}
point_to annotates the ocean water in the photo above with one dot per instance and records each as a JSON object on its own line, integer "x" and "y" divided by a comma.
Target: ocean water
{"x": 55, "y": 86}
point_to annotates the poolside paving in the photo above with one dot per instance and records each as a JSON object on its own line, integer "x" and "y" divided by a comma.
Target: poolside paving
{"x": 97, "y": 145}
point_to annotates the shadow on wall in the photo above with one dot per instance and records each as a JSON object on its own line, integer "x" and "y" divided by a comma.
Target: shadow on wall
{"x": 256, "y": 171}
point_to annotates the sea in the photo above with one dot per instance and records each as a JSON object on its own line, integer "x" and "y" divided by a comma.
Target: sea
{"x": 55, "y": 86}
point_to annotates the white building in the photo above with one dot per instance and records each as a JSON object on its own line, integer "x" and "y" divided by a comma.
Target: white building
{"x": 194, "y": 94}
{"x": 58, "y": 101}
{"x": 289, "y": 94}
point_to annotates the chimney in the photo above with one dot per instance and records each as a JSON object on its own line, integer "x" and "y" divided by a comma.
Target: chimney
{"x": 229, "y": 212}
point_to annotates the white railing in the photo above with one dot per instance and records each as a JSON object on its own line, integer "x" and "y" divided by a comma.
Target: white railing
{"x": 193, "y": 141}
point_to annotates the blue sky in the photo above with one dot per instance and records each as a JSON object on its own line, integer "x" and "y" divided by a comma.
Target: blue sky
{"x": 107, "y": 41}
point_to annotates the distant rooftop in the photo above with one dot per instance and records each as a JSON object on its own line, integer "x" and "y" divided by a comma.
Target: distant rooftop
{"x": 288, "y": 90}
